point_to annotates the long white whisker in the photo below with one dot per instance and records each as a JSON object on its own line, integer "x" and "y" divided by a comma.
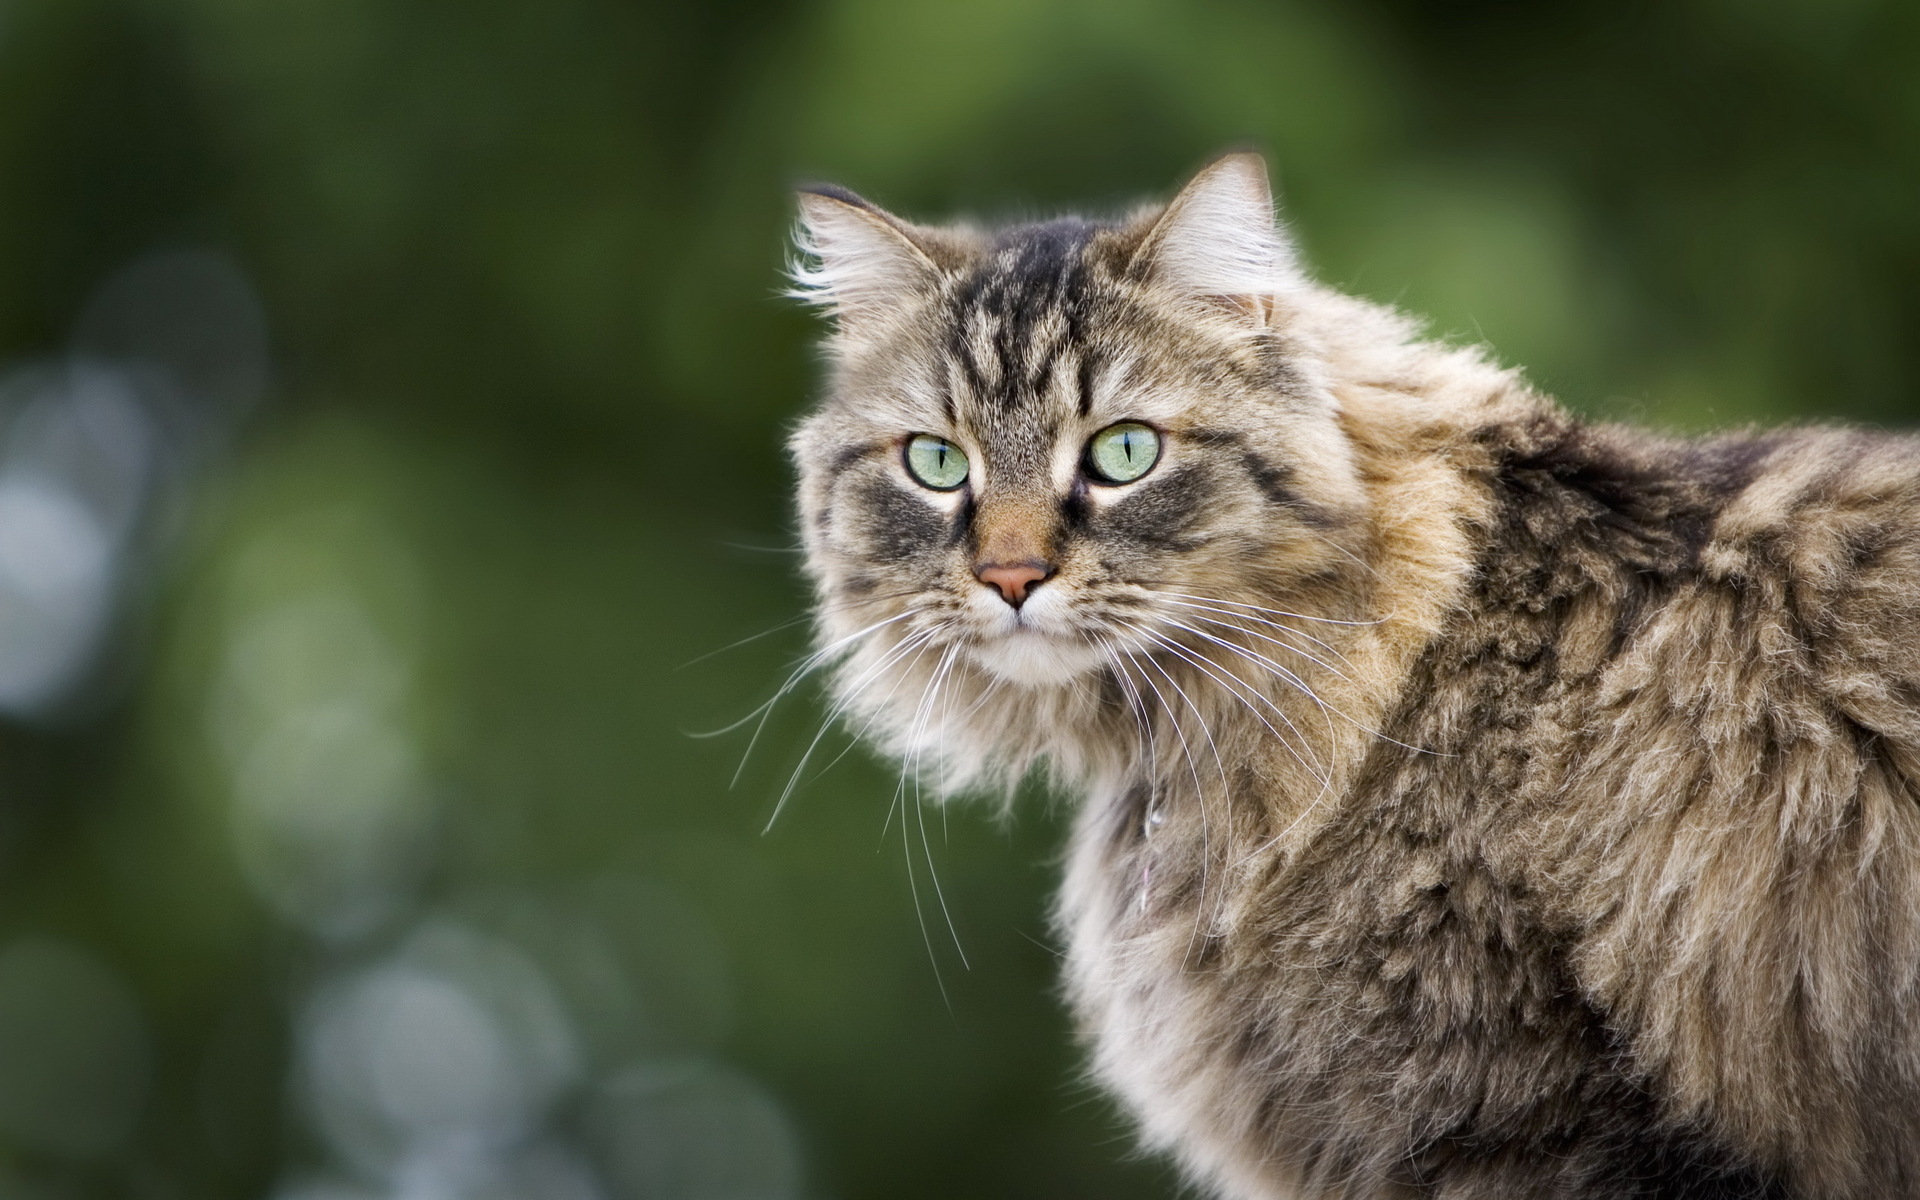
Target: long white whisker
{"x": 914, "y": 643}
{"x": 1366, "y": 566}
{"x": 1200, "y": 796}
{"x": 939, "y": 683}
{"x": 1246, "y": 612}
{"x": 1173, "y": 718}
{"x": 1237, "y": 617}
{"x": 1287, "y": 673}
{"x": 1136, "y": 706}
{"x": 1325, "y": 777}
{"x": 1281, "y": 671}
{"x": 1219, "y": 763}
{"x": 1286, "y": 676}
{"x": 1143, "y": 724}
{"x": 808, "y": 665}
{"x": 900, "y": 798}
{"x": 1193, "y": 769}
{"x": 1292, "y": 825}
{"x": 1278, "y": 612}
{"x": 1300, "y": 747}
{"x": 1233, "y": 684}
{"x": 1301, "y": 686}
{"x": 800, "y": 620}
{"x": 859, "y": 734}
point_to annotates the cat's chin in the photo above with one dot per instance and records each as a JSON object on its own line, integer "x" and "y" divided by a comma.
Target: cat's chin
{"x": 1031, "y": 658}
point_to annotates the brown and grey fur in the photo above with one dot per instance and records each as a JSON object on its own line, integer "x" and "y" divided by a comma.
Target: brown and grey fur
{"x": 1474, "y": 801}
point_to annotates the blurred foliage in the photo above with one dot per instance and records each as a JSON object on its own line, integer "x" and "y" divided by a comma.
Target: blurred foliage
{"x": 403, "y": 709}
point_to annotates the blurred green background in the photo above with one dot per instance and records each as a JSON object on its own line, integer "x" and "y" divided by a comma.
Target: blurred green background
{"x": 391, "y": 406}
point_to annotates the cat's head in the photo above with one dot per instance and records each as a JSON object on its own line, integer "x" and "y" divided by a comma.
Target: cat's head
{"x": 1044, "y": 446}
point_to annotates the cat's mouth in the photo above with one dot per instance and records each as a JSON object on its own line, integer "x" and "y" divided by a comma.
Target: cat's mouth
{"x": 1031, "y": 657}
{"x": 1034, "y": 645}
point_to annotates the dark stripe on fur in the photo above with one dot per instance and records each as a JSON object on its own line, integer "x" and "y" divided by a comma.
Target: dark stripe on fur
{"x": 1084, "y": 378}
{"x": 1162, "y": 509}
{"x": 960, "y": 351}
{"x": 1274, "y": 481}
{"x": 847, "y": 456}
{"x": 1075, "y": 511}
{"x": 834, "y": 191}
{"x": 962, "y": 527}
{"x": 1034, "y": 271}
{"x": 897, "y": 524}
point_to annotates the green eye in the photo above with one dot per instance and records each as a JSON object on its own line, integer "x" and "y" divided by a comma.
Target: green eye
{"x": 1123, "y": 453}
{"x": 936, "y": 462}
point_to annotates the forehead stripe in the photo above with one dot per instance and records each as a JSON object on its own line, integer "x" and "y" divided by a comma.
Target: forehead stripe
{"x": 1021, "y": 306}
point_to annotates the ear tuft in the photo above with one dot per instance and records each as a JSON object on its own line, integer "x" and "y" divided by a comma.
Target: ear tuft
{"x": 1217, "y": 240}
{"x": 856, "y": 260}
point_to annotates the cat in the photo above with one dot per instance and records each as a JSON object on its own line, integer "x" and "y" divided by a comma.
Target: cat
{"x": 1473, "y": 800}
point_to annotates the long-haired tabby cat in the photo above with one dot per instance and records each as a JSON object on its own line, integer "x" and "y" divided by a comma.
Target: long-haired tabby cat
{"x": 1474, "y": 801}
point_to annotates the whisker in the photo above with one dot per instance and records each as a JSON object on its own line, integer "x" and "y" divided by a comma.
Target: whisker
{"x": 1308, "y": 692}
{"x": 800, "y": 620}
{"x": 1221, "y": 608}
{"x": 939, "y": 682}
{"x": 859, "y": 734}
{"x": 1277, "y": 669}
{"x": 1173, "y": 719}
{"x": 907, "y": 768}
{"x": 745, "y": 641}
{"x": 1323, "y": 775}
{"x": 764, "y": 549}
{"x": 1142, "y": 722}
{"x": 1274, "y": 625}
{"x": 1283, "y": 674}
{"x": 1193, "y": 770}
{"x": 916, "y": 643}
{"x": 1290, "y": 676}
{"x": 1278, "y": 612}
{"x": 807, "y": 665}
{"x": 1364, "y": 565}
{"x": 1136, "y": 705}
{"x": 1232, "y": 684}
{"x": 1226, "y": 789}
{"x": 813, "y": 662}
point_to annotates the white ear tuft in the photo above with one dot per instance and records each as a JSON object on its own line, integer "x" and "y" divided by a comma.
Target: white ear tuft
{"x": 1218, "y": 239}
{"x": 855, "y": 260}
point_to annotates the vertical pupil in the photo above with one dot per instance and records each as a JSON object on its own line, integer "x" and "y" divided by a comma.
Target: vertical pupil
{"x": 1126, "y": 444}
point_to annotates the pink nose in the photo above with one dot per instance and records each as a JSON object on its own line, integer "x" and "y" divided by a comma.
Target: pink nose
{"x": 1013, "y": 579}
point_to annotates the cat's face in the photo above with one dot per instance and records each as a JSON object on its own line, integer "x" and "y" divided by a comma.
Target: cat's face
{"x": 1054, "y": 446}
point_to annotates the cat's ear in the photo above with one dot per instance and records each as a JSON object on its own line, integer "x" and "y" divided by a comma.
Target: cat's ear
{"x": 1217, "y": 241}
{"x": 857, "y": 260}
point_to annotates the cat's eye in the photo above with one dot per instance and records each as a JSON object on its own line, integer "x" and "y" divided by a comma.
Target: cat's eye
{"x": 1123, "y": 453}
{"x": 936, "y": 462}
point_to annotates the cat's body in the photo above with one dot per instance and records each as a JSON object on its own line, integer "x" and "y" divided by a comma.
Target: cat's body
{"x": 1477, "y": 802}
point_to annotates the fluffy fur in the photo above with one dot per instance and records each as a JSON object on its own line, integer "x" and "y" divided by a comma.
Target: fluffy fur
{"x": 1474, "y": 801}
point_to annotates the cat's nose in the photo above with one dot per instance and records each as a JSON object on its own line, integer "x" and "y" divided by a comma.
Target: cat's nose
{"x": 1013, "y": 579}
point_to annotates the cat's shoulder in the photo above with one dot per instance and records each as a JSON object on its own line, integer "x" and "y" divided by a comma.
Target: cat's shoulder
{"x": 1831, "y": 516}
{"x": 1825, "y": 532}
{"x": 1802, "y": 541}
